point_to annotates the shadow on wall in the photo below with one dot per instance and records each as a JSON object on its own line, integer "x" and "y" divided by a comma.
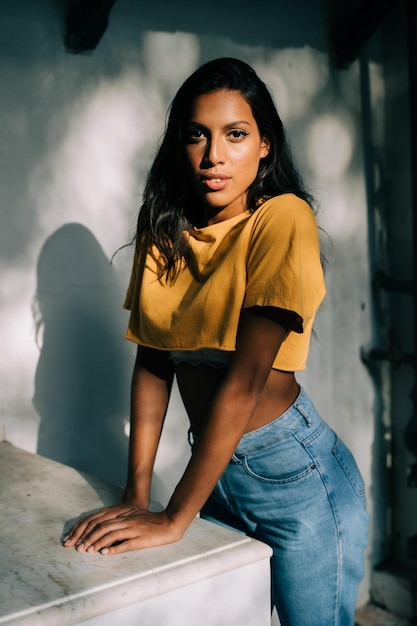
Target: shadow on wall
{"x": 83, "y": 374}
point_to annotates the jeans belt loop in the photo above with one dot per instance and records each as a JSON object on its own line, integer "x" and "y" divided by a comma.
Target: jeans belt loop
{"x": 304, "y": 413}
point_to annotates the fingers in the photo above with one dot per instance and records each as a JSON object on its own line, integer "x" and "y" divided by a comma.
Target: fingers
{"x": 86, "y": 525}
{"x": 111, "y": 533}
{"x": 105, "y": 535}
{"x": 119, "y": 529}
{"x": 146, "y": 539}
{"x": 104, "y": 528}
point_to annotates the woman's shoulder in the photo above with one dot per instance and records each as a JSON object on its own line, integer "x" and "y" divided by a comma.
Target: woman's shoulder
{"x": 285, "y": 209}
{"x": 285, "y": 202}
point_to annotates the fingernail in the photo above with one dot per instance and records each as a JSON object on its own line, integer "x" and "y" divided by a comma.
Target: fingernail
{"x": 80, "y": 546}
{"x": 104, "y": 551}
{"x": 65, "y": 539}
{"x": 90, "y": 549}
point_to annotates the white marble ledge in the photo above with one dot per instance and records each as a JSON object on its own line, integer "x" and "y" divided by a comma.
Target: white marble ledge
{"x": 43, "y": 583}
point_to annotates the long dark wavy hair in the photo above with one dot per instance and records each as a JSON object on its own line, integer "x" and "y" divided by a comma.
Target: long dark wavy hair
{"x": 169, "y": 201}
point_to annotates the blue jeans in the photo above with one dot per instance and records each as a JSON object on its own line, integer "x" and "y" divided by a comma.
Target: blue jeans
{"x": 295, "y": 486}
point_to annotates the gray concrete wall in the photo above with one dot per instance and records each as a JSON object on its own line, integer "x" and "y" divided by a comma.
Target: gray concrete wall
{"x": 77, "y": 135}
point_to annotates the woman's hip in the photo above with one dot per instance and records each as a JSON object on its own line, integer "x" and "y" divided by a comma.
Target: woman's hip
{"x": 293, "y": 464}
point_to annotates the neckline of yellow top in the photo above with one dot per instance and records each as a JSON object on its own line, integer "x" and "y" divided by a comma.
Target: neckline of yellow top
{"x": 226, "y": 224}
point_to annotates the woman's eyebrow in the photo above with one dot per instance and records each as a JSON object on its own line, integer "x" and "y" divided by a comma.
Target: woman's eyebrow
{"x": 226, "y": 126}
{"x": 237, "y": 123}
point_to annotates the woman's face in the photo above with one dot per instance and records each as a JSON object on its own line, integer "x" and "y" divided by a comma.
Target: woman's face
{"x": 223, "y": 149}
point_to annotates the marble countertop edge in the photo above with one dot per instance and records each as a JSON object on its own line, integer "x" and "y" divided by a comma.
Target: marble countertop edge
{"x": 117, "y": 594}
{"x": 45, "y": 585}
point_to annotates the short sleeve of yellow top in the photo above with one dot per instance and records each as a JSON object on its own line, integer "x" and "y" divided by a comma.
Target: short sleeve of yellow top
{"x": 267, "y": 258}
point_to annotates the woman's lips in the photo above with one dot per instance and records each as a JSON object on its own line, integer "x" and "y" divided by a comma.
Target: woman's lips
{"x": 215, "y": 182}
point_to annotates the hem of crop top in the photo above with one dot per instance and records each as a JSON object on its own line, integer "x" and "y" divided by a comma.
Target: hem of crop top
{"x": 203, "y": 356}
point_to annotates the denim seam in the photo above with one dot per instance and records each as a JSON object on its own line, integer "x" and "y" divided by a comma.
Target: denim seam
{"x": 223, "y": 485}
{"x": 319, "y": 431}
{"x": 360, "y": 491}
{"x": 338, "y": 531}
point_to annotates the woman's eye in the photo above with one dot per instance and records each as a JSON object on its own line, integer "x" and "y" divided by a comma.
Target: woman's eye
{"x": 194, "y": 134}
{"x": 236, "y": 134}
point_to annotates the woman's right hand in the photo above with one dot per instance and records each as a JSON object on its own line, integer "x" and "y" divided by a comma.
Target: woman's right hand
{"x": 74, "y": 536}
{"x": 120, "y": 528}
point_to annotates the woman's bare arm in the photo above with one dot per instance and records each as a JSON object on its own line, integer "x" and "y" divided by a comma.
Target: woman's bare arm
{"x": 150, "y": 391}
{"x": 151, "y": 388}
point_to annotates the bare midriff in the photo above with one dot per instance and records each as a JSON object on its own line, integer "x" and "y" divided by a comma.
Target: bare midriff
{"x": 198, "y": 385}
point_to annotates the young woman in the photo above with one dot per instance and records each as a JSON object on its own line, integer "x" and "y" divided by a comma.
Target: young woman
{"x": 226, "y": 282}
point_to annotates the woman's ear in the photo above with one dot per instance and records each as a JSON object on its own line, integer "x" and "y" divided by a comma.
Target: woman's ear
{"x": 265, "y": 147}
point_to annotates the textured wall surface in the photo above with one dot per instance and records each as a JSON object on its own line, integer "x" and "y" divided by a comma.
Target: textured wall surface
{"x": 78, "y": 134}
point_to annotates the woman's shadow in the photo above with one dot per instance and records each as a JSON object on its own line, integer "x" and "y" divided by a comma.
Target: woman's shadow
{"x": 83, "y": 374}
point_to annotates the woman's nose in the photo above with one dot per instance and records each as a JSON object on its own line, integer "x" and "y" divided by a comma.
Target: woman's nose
{"x": 213, "y": 154}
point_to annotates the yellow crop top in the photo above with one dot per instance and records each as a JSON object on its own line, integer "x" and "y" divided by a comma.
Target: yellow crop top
{"x": 267, "y": 258}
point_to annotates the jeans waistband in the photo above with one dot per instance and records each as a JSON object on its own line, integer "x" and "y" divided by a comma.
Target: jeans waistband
{"x": 301, "y": 412}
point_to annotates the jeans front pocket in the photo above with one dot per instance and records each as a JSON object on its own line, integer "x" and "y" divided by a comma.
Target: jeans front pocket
{"x": 282, "y": 463}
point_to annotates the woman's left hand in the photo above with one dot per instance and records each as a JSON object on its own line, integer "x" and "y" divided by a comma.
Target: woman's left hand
{"x": 121, "y": 528}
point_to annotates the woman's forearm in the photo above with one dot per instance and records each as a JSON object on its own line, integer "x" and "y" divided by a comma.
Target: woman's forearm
{"x": 212, "y": 453}
{"x": 150, "y": 392}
